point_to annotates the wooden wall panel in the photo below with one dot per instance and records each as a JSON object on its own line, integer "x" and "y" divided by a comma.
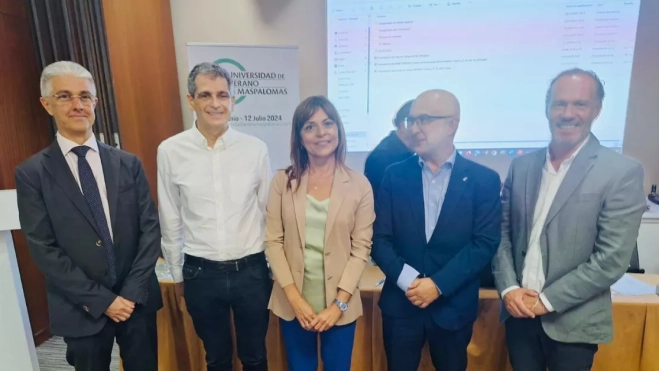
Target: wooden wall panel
{"x": 143, "y": 65}
{"x": 12, "y": 8}
{"x": 24, "y": 130}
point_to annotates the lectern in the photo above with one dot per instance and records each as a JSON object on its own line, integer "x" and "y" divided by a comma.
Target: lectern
{"x": 16, "y": 342}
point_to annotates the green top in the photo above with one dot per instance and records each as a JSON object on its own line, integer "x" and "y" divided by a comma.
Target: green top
{"x": 313, "y": 288}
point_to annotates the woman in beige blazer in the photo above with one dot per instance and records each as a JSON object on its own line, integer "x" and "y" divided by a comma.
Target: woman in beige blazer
{"x": 318, "y": 240}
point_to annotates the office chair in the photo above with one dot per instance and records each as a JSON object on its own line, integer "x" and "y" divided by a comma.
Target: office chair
{"x": 634, "y": 265}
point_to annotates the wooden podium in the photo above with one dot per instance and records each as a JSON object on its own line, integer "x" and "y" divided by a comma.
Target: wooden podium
{"x": 16, "y": 343}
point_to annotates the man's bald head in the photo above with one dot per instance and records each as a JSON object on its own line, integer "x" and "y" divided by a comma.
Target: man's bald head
{"x": 437, "y": 102}
{"x": 433, "y": 122}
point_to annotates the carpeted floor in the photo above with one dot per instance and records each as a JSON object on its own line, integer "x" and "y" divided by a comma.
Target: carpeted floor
{"x": 52, "y": 356}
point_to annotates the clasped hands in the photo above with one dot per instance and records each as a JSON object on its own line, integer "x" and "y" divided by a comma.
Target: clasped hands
{"x": 422, "y": 292}
{"x": 120, "y": 310}
{"x": 311, "y": 321}
{"x": 524, "y": 303}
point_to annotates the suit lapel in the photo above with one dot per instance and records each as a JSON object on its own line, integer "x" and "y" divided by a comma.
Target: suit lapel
{"x": 575, "y": 175}
{"x": 300, "y": 203}
{"x": 56, "y": 165}
{"x": 456, "y": 186}
{"x": 533, "y": 180}
{"x": 414, "y": 182}
{"x": 337, "y": 195}
{"x": 111, "y": 167}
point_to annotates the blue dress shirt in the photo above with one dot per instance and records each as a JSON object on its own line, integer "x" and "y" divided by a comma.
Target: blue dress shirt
{"x": 434, "y": 191}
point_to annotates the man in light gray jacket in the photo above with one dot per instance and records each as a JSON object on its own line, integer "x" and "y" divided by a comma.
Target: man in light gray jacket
{"x": 571, "y": 215}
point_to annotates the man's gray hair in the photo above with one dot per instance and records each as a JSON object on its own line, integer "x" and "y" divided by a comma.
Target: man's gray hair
{"x": 63, "y": 68}
{"x": 207, "y": 69}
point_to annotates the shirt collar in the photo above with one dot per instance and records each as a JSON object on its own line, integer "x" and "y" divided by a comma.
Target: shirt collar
{"x": 570, "y": 159}
{"x": 450, "y": 162}
{"x": 227, "y": 139}
{"x": 66, "y": 145}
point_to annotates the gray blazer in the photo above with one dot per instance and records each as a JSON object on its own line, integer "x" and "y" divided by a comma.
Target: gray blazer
{"x": 587, "y": 241}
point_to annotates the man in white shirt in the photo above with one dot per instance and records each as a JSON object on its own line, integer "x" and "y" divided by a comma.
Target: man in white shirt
{"x": 212, "y": 189}
{"x": 571, "y": 215}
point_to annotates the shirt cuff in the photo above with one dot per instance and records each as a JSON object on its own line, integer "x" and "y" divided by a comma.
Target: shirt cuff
{"x": 511, "y": 288}
{"x": 546, "y": 302}
{"x": 407, "y": 276}
{"x": 177, "y": 273}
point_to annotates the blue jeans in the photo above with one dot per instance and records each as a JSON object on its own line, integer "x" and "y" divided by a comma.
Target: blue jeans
{"x": 215, "y": 289}
{"x": 302, "y": 347}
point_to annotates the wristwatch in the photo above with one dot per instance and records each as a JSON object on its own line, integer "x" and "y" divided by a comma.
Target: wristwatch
{"x": 342, "y": 306}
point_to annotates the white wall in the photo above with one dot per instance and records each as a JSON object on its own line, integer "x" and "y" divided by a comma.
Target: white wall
{"x": 303, "y": 23}
{"x": 16, "y": 343}
{"x": 258, "y": 22}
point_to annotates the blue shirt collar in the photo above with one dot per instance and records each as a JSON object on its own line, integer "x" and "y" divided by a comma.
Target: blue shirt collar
{"x": 450, "y": 162}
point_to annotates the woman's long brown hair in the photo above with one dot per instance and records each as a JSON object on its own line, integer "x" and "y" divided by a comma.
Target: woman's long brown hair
{"x": 299, "y": 155}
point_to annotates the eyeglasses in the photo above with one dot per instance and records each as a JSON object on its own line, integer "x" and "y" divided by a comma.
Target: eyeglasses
{"x": 422, "y": 120}
{"x": 64, "y": 98}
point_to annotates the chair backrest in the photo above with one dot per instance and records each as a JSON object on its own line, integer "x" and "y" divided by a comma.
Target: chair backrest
{"x": 634, "y": 264}
{"x": 487, "y": 278}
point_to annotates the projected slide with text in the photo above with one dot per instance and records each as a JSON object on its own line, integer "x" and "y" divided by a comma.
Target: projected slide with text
{"x": 497, "y": 57}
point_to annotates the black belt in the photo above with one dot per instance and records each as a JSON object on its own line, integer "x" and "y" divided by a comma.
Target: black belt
{"x": 227, "y": 265}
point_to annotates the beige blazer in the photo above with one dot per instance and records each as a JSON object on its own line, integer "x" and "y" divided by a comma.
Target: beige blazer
{"x": 348, "y": 239}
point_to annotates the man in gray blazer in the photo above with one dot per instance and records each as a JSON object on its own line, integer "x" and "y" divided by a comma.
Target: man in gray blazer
{"x": 571, "y": 215}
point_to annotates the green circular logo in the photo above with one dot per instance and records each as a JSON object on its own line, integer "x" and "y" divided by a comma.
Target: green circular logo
{"x": 234, "y": 63}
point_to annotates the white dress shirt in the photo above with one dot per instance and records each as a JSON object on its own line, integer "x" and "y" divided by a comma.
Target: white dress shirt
{"x": 94, "y": 160}
{"x": 533, "y": 273}
{"x": 212, "y": 200}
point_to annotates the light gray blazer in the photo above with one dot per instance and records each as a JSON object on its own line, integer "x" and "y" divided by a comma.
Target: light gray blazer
{"x": 587, "y": 241}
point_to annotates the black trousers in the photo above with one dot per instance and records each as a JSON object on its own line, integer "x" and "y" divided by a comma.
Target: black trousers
{"x": 530, "y": 349}
{"x": 138, "y": 346}
{"x": 404, "y": 339}
{"x": 212, "y": 291}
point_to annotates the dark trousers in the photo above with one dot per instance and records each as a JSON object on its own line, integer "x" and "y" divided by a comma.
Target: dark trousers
{"x": 530, "y": 349}
{"x": 404, "y": 339}
{"x": 212, "y": 291}
{"x": 302, "y": 346}
{"x": 138, "y": 346}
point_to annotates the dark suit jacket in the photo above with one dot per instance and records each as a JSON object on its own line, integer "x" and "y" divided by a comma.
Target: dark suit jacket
{"x": 388, "y": 152}
{"x": 64, "y": 242}
{"x": 465, "y": 239}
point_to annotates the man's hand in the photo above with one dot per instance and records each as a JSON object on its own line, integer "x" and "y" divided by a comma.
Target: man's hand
{"x": 535, "y": 305}
{"x": 516, "y": 302}
{"x": 120, "y": 310}
{"x": 179, "y": 289}
{"x": 422, "y": 292}
{"x": 326, "y": 319}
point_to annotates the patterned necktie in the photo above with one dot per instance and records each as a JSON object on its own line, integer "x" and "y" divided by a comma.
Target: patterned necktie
{"x": 93, "y": 197}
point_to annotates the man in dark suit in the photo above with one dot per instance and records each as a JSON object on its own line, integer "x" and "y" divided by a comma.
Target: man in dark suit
{"x": 392, "y": 149}
{"x": 438, "y": 224}
{"x": 92, "y": 229}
